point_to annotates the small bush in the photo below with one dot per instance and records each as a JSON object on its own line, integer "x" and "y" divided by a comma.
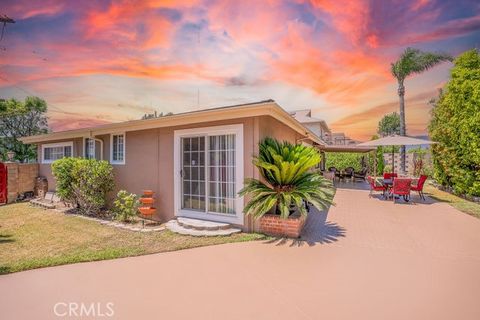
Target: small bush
{"x": 84, "y": 182}
{"x": 62, "y": 171}
{"x": 126, "y": 206}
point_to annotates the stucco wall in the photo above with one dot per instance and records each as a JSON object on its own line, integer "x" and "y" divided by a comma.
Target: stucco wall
{"x": 271, "y": 127}
{"x": 149, "y": 158}
{"x": 149, "y": 162}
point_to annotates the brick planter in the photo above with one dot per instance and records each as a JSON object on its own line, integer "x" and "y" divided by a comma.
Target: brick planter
{"x": 275, "y": 226}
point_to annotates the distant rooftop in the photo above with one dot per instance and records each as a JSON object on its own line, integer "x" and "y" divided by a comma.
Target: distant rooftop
{"x": 305, "y": 116}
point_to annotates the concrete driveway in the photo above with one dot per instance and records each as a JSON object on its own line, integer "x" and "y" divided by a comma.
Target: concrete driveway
{"x": 364, "y": 259}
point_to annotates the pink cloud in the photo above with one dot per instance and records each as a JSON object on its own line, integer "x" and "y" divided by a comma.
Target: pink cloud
{"x": 22, "y": 9}
{"x": 62, "y": 124}
{"x": 451, "y": 29}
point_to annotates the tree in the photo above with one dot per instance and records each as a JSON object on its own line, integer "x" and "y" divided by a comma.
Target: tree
{"x": 289, "y": 181}
{"x": 379, "y": 161}
{"x": 455, "y": 125}
{"x": 156, "y": 115}
{"x": 412, "y": 61}
{"x": 21, "y": 119}
{"x": 389, "y": 125}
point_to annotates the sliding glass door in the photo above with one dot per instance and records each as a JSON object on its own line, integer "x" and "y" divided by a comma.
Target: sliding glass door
{"x": 193, "y": 173}
{"x": 208, "y": 173}
{"x": 221, "y": 174}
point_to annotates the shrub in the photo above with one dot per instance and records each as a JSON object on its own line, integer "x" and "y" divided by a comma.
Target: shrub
{"x": 62, "y": 171}
{"x": 342, "y": 160}
{"x": 288, "y": 180}
{"x": 84, "y": 182}
{"x": 455, "y": 125}
{"x": 125, "y": 206}
{"x": 93, "y": 180}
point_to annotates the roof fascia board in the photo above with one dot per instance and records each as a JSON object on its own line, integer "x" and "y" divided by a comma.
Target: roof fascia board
{"x": 262, "y": 109}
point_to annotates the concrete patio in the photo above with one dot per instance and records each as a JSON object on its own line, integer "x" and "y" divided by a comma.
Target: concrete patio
{"x": 365, "y": 258}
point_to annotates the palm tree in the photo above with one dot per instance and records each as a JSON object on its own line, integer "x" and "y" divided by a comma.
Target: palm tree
{"x": 412, "y": 61}
{"x": 289, "y": 181}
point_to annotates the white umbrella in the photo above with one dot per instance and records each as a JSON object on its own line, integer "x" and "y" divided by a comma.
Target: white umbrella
{"x": 395, "y": 140}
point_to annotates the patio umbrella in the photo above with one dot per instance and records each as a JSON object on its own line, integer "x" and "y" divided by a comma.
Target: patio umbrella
{"x": 395, "y": 140}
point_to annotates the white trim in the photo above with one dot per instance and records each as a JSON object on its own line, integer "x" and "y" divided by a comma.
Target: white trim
{"x": 236, "y": 129}
{"x": 95, "y": 139}
{"x": 53, "y": 145}
{"x": 124, "y": 147}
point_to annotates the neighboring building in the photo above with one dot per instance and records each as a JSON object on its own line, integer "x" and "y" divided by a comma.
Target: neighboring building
{"x": 321, "y": 129}
{"x": 340, "y": 139}
{"x": 195, "y": 162}
{"x": 317, "y": 126}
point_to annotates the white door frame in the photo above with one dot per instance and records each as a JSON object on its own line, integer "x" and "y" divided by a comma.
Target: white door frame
{"x": 236, "y": 129}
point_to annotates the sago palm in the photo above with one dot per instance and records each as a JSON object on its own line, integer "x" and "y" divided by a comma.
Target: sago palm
{"x": 289, "y": 182}
{"x": 412, "y": 61}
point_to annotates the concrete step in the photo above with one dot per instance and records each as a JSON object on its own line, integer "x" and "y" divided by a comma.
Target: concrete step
{"x": 174, "y": 226}
{"x": 198, "y": 224}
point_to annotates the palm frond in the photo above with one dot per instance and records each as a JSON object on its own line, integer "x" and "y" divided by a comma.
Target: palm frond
{"x": 416, "y": 61}
{"x": 289, "y": 181}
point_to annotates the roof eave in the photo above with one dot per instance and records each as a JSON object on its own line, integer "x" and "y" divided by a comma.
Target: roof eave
{"x": 260, "y": 109}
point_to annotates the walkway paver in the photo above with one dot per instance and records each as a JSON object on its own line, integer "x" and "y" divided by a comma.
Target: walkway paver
{"x": 365, "y": 259}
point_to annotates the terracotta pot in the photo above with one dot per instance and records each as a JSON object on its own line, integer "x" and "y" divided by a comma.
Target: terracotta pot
{"x": 291, "y": 227}
{"x": 148, "y": 193}
{"x": 147, "y": 211}
{"x": 146, "y": 200}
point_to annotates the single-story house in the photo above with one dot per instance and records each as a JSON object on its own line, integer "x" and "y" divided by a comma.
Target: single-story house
{"x": 195, "y": 162}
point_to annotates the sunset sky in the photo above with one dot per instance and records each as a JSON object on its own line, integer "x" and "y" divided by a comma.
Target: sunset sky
{"x": 107, "y": 61}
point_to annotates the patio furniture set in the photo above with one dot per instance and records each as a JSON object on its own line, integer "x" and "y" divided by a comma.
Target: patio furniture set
{"x": 394, "y": 187}
{"x": 348, "y": 173}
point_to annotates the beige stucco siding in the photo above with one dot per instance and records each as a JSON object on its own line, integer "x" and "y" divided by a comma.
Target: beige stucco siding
{"x": 149, "y": 160}
{"x": 270, "y": 127}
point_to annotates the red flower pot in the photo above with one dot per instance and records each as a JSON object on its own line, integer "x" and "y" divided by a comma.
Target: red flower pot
{"x": 148, "y": 193}
{"x": 146, "y": 201}
{"x": 147, "y": 211}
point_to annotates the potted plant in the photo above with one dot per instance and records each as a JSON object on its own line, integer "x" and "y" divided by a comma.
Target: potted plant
{"x": 288, "y": 185}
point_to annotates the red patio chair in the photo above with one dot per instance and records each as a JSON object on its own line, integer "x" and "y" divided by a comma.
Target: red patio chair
{"x": 375, "y": 186}
{"x": 401, "y": 187}
{"x": 419, "y": 186}
{"x": 389, "y": 175}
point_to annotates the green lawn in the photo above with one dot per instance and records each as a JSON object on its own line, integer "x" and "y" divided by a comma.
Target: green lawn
{"x": 461, "y": 204}
{"x": 33, "y": 238}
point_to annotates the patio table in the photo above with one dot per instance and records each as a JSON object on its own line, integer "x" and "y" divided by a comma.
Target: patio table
{"x": 388, "y": 183}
